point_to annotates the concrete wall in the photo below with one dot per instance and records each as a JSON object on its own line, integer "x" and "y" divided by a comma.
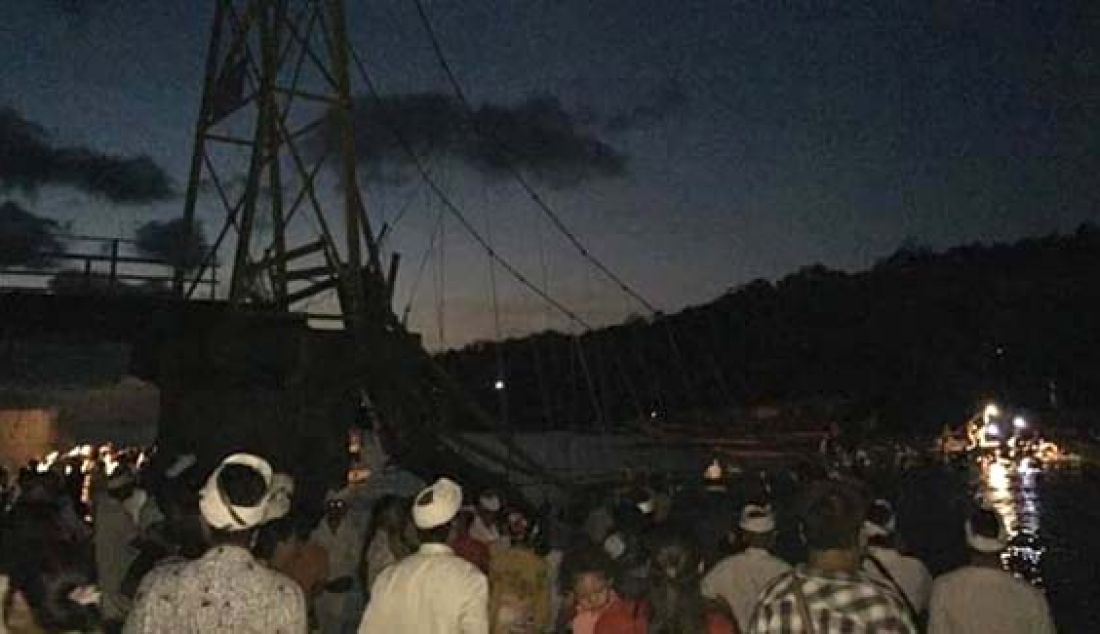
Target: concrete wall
{"x": 26, "y": 434}
{"x": 35, "y": 422}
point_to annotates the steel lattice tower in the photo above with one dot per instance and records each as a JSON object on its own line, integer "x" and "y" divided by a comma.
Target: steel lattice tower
{"x": 275, "y": 110}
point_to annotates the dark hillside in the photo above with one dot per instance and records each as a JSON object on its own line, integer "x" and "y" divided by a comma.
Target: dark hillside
{"x": 913, "y": 342}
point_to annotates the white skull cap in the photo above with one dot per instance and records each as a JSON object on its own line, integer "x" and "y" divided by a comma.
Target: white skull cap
{"x": 489, "y": 501}
{"x": 757, "y": 519}
{"x": 216, "y": 508}
{"x": 437, "y": 504}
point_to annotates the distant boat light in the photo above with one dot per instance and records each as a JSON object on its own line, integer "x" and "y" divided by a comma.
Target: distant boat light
{"x": 1019, "y": 422}
{"x": 499, "y": 385}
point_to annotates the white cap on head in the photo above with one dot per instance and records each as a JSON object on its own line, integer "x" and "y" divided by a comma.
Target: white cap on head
{"x": 489, "y": 501}
{"x": 614, "y": 545}
{"x": 757, "y": 519}
{"x": 216, "y": 508}
{"x": 279, "y": 497}
{"x": 885, "y": 528}
{"x": 986, "y": 543}
{"x": 437, "y": 504}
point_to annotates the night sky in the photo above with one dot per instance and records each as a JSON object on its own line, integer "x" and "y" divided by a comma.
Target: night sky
{"x": 753, "y": 137}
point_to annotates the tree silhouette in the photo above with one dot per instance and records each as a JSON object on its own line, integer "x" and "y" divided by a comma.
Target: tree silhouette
{"x": 25, "y": 239}
{"x": 170, "y": 241}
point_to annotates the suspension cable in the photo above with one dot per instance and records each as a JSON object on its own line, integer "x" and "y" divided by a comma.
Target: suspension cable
{"x": 515, "y": 173}
{"x": 454, "y": 210}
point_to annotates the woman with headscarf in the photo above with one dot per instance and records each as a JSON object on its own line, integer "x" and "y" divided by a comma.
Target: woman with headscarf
{"x": 676, "y": 604}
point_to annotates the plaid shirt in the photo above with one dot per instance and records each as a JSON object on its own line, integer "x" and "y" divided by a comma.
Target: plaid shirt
{"x": 837, "y": 603}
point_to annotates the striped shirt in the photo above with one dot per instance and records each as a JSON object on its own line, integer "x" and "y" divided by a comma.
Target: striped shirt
{"x": 837, "y": 603}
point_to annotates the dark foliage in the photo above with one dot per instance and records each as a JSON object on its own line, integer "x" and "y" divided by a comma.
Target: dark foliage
{"x": 24, "y": 237}
{"x": 172, "y": 242}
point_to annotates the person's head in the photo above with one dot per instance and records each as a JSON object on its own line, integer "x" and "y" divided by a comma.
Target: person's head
{"x": 518, "y": 526}
{"x": 756, "y": 526}
{"x": 434, "y": 510}
{"x": 676, "y": 560}
{"x": 986, "y": 535}
{"x": 336, "y": 509}
{"x": 678, "y": 606}
{"x": 881, "y": 524}
{"x": 832, "y": 516}
{"x": 233, "y": 501}
{"x": 588, "y": 578}
{"x": 489, "y": 505}
{"x": 714, "y": 477}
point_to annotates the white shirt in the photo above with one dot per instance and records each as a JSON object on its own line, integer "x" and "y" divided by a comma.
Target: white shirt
{"x": 431, "y": 592}
{"x": 226, "y": 591}
{"x": 909, "y": 573}
{"x": 978, "y": 600}
{"x": 739, "y": 580}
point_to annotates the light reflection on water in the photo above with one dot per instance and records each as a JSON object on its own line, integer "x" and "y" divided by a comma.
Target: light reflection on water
{"x": 1011, "y": 489}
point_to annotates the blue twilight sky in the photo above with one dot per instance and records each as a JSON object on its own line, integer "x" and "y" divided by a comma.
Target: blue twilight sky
{"x": 759, "y": 136}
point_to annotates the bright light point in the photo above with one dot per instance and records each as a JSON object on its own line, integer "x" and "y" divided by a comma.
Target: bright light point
{"x": 653, "y": 414}
{"x": 991, "y": 430}
{"x": 499, "y": 385}
{"x": 991, "y": 410}
{"x": 1019, "y": 422}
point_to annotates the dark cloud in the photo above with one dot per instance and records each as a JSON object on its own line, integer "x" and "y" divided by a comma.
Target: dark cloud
{"x": 28, "y": 161}
{"x": 659, "y": 104}
{"x": 25, "y": 237}
{"x": 169, "y": 240}
{"x": 537, "y": 136}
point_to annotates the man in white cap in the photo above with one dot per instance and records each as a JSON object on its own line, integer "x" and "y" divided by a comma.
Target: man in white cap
{"x": 982, "y": 597}
{"x": 738, "y": 579}
{"x": 882, "y": 560}
{"x": 486, "y": 525}
{"x": 116, "y": 530}
{"x": 340, "y": 603}
{"x": 433, "y": 591}
{"x": 226, "y": 590}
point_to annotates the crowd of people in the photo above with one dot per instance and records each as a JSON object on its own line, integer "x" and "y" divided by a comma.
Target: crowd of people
{"x": 115, "y": 545}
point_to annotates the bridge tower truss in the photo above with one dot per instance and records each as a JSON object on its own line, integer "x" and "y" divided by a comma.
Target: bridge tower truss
{"x": 274, "y": 166}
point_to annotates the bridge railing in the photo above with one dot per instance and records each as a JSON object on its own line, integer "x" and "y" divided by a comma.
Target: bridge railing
{"x": 98, "y": 264}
